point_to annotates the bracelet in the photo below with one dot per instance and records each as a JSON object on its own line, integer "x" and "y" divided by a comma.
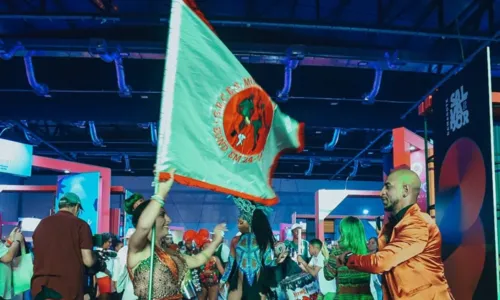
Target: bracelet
{"x": 158, "y": 199}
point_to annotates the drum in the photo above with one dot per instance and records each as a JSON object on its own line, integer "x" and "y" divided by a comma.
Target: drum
{"x": 191, "y": 285}
{"x": 300, "y": 287}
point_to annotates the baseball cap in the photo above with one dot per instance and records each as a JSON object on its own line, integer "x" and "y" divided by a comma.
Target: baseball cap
{"x": 296, "y": 225}
{"x": 71, "y": 198}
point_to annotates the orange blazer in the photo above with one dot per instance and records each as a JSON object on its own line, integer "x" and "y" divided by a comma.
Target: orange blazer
{"x": 410, "y": 261}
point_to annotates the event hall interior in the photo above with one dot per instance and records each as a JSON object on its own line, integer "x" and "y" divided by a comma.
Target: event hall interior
{"x": 81, "y": 90}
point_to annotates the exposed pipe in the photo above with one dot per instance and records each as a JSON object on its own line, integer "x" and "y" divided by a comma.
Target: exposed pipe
{"x": 7, "y": 55}
{"x": 370, "y": 97}
{"x": 127, "y": 163}
{"x": 34, "y": 135}
{"x": 290, "y": 65}
{"x": 29, "y": 137}
{"x": 450, "y": 74}
{"x": 96, "y": 140}
{"x": 360, "y": 153}
{"x": 160, "y": 19}
{"x": 391, "y": 60}
{"x": 79, "y": 124}
{"x": 154, "y": 133}
{"x": 39, "y": 88}
{"x": 123, "y": 89}
{"x": 116, "y": 156}
{"x": 354, "y": 171}
{"x": 309, "y": 170}
{"x": 387, "y": 148}
{"x": 335, "y": 139}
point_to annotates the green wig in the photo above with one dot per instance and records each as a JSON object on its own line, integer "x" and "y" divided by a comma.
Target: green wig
{"x": 352, "y": 236}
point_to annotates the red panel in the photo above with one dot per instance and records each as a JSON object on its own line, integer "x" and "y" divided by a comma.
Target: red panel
{"x": 115, "y": 221}
{"x": 403, "y": 141}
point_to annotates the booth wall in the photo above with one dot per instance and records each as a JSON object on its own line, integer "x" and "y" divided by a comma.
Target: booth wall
{"x": 195, "y": 208}
{"x": 9, "y": 202}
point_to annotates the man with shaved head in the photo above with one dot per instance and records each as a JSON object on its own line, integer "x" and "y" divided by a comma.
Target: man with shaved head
{"x": 409, "y": 256}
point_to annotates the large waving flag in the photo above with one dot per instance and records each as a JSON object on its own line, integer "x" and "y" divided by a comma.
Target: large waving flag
{"x": 218, "y": 128}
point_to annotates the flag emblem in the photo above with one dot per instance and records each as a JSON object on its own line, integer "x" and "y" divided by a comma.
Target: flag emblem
{"x": 223, "y": 133}
{"x": 242, "y": 121}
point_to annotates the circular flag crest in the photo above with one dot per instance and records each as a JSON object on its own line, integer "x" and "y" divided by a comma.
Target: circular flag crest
{"x": 247, "y": 120}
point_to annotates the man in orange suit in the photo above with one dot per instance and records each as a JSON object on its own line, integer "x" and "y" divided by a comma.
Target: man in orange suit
{"x": 409, "y": 255}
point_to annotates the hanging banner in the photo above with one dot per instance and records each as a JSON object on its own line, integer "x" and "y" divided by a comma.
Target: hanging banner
{"x": 15, "y": 158}
{"x": 465, "y": 190}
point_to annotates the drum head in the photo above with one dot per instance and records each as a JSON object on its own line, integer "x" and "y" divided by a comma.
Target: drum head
{"x": 279, "y": 248}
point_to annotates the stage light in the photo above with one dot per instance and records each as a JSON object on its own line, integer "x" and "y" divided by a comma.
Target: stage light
{"x": 365, "y": 211}
{"x": 412, "y": 148}
{"x": 66, "y": 171}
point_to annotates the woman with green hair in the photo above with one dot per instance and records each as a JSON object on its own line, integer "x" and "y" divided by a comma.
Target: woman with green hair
{"x": 351, "y": 284}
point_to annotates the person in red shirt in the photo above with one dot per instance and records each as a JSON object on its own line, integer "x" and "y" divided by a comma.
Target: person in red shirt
{"x": 62, "y": 246}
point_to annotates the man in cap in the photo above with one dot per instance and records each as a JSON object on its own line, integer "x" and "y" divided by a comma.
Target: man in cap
{"x": 62, "y": 246}
{"x": 293, "y": 245}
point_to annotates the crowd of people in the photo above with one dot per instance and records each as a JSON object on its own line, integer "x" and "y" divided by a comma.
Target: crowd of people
{"x": 403, "y": 262}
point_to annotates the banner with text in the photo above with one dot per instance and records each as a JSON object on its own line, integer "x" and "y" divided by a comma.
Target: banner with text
{"x": 15, "y": 158}
{"x": 465, "y": 198}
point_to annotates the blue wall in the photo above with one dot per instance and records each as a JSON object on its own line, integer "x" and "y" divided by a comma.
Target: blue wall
{"x": 195, "y": 208}
{"x": 9, "y": 202}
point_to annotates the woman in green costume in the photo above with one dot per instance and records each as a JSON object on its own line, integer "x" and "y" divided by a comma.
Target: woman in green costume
{"x": 351, "y": 284}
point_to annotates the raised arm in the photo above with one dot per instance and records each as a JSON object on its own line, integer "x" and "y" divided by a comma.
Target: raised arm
{"x": 139, "y": 239}
{"x": 407, "y": 243}
{"x": 201, "y": 258}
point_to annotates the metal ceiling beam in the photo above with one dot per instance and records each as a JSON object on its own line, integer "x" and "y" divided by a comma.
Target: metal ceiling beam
{"x": 247, "y": 53}
{"x": 159, "y": 19}
{"x": 151, "y": 154}
{"x": 110, "y": 108}
{"x": 450, "y": 74}
{"x": 36, "y": 136}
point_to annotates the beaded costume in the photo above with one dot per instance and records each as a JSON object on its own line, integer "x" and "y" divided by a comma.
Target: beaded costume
{"x": 210, "y": 274}
{"x": 170, "y": 268}
{"x": 248, "y": 259}
{"x": 351, "y": 284}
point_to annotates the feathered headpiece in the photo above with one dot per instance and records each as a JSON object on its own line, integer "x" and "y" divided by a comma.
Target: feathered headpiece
{"x": 247, "y": 208}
